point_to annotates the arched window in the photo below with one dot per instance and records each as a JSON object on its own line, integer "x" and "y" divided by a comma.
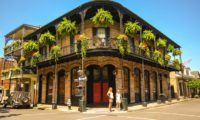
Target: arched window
{"x": 137, "y": 85}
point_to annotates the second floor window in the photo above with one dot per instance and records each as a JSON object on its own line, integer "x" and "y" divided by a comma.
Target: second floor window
{"x": 101, "y": 36}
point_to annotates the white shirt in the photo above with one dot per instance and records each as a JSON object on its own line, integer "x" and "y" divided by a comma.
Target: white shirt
{"x": 118, "y": 98}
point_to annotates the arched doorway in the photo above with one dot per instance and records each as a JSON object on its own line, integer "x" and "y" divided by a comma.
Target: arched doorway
{"x": 126, "y": 83}
{"x": 137, "y": 85}
{"x": 49, "y": 88}
{"x": 154, "y": 86}
{"x": 40, "y": 90}
{"x": 99, "y": 80}
{"x": 147, "y": 86}
{"x": 61, "y": 87}
{"x": 74, "y": 83}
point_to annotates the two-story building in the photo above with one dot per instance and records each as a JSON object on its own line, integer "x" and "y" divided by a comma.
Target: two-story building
{"x": 138, "y": 76}
{"x": 179, "y": 81}
{"x": 17, "y": 77}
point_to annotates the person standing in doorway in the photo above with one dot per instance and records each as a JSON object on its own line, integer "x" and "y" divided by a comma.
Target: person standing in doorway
{"x": 111, "y": 97}
{"x": 118, "y": 100}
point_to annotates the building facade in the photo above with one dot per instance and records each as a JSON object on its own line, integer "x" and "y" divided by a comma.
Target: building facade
{"x": 138, "y": 76}
{"x": 16, "y": 77}
{"x": 179, "y": 81}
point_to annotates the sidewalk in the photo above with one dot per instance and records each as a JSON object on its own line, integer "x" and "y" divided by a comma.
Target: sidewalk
{"x": 93, "y": 110}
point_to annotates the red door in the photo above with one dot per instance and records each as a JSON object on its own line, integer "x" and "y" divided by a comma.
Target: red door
{"x": 105, "y": 90}
{"x": 97, "y": 93}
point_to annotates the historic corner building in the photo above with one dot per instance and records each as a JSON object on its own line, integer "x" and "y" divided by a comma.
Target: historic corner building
{"x": 138, "y": 77}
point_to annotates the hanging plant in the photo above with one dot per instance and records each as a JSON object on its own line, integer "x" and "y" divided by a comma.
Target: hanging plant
{"x": 16, "y": 44}
{"x": 156, "y": 55}
{"x": 147, "y": 52}
{"x": 82, "y": 44}
{"x": 8, "y": 48}
{"x": 22, "y": 59}
{"x": 177, "y": 64}
{"x": 148, "y": 35}
{"x": 30, "y": 46}
{"x": 122, "y": 43}
{"x": 35, "y": 59}
{"x": 66, "y": 27}
{"x": 15, "y": 71}
{"x": 160, "y": 61}
{"x": 103, "y": 18}
{"x": 5, "y": 73}
{"x": 143, "y": 46}
{"x": 170, "y": 48}
{"x": 131, "y": 28}
{"x": 167, "y": 57}
{"x": 161, "y": 42}
{"x": 47, "y": 38}
{"x": 177, "y": 52}
{"x": 55, "y": 53}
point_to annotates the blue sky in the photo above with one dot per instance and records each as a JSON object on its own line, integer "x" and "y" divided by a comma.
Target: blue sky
{"x": 178, "y": 19}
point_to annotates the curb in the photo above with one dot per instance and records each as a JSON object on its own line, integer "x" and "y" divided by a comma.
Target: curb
{"x": 160, "y": 105}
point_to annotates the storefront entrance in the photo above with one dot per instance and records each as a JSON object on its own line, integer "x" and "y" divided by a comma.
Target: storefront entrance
{"x": 99, "y": 80}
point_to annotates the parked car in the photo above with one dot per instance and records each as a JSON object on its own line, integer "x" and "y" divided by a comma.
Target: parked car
{"x": 19, "y": 99}
{"x": 1, "y": 95}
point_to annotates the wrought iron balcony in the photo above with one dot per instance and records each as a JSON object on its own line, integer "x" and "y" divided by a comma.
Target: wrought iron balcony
{"x": 105, "y": 44}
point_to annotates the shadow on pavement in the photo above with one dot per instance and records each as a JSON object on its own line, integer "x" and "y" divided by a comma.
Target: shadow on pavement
{"x": 10, "y": 115}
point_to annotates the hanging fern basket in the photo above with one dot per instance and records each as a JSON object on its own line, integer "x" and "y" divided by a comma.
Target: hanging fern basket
{"x": 103, "y": 18}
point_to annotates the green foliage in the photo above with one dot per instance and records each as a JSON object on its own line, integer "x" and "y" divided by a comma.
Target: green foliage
{"x": 167, "y": 58}
{"x": 55, "y": 53}
{"x": 170, "y": 48}
{"x": 83, "y": 43}
{"x": 16, "y": 44}
{"x": 148, "y": 35}
{"x": 30, "y": 46}
{"x": 177, "y": 52}
{"x": 156, "y": 55}
{"x": 147, "y": 52}
{"x": 131, "y": 28}
{"x": 8, "y": 48}
{"x": 103, "y": 18}
{"x": 35, "y": 59}
{"x": 193, "y": 84}
{"x": 161, "y": 42}
{"x": 66, "y": 27}
{"x": 177, "y": 64}
{"x": 143, "y": 46}
{"x": 16, "y": 70}
{"x": 47, "y": 38}
{"x": 160, "y": 61}
{"x": 122, "y": 44}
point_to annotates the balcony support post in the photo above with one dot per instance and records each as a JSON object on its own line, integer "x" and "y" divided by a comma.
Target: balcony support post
{"x": 121, "y": 16}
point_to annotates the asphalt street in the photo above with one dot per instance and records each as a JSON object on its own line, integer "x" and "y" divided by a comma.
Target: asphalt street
{"x": 188, "y": 110}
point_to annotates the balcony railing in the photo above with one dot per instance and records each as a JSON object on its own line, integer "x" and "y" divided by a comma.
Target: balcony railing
{"x": 14, "y": 73}
{"x": 15, "y": 46}
{"x": 108, "y": 44}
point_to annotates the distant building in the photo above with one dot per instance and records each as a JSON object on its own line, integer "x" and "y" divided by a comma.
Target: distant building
{"x": 6, "y": 85}
{"x": 178, "y": 81}
{"x": 196, "y": 74}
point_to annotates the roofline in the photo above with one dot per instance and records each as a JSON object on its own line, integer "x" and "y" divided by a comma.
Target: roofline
{"x": 103, "y": 2}
{"x": 21, "y": 26}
